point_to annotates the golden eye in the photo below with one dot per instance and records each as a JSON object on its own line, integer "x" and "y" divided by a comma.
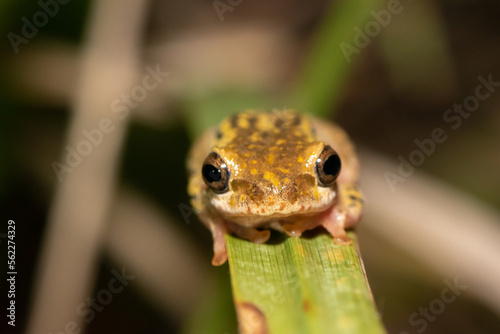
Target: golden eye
{"x": 328, "y": 166}
{"x": 215, "y": 173}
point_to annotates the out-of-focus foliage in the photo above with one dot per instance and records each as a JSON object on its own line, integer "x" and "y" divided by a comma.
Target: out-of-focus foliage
{"x": 386, "y": 99}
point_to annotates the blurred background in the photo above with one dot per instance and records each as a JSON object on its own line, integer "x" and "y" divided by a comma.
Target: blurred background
{"x": 99, "y": 103}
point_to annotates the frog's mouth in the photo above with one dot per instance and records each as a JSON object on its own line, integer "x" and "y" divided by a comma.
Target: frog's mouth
{"x": 259, "y": 213}
{"x": 272, "y": 220}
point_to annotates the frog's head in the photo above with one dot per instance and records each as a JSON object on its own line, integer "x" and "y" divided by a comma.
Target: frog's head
{"x": 257, "y": 181}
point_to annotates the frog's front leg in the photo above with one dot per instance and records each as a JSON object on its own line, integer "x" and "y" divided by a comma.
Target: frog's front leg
{"x": 219, "y": 235}
{"x": 346, "y": 213}
{"x": 220, "y": 227}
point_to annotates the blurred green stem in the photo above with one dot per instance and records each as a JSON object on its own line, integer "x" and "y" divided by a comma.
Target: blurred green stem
{"x": 331, "y": 55}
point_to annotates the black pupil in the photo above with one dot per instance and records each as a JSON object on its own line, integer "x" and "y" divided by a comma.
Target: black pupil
{"x": 332, "y": 165}
{"x": 211, "y": 173}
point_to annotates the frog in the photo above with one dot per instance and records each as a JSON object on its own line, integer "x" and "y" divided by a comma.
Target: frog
{"x": 281, "y": 170}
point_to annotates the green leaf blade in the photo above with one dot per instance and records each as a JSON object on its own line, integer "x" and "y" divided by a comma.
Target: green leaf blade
{"x": 301, "y": 285}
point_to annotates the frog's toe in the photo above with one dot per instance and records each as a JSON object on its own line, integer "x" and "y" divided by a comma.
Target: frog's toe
{"x": 291, "y": 231}
{"x": 342, "y": 240}
{"x": 219, "y": 258}
{"x": 335, "y": 225}
{"x": 297, "y": 227}
{"x": 261, "y": 236}
{"x": 220, "y": 253}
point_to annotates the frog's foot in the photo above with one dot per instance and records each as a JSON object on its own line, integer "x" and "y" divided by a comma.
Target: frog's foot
{"x": 249, "y": 233}
{"x": 296, "y": 228}
{"x": 220, "y": 253}
{"x": 335, "y": 224}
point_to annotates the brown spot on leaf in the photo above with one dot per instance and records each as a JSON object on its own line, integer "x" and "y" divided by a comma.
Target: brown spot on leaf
{"x": 306, "y": 305}
{"x": 251, "y": 319}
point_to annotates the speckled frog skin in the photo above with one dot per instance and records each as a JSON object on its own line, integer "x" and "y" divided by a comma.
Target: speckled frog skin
{"x": 280, "y": 170}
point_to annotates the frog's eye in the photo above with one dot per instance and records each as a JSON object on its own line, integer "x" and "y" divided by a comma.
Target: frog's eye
{"x": 328, "y": 166}
{"x": 215, "y": 173}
